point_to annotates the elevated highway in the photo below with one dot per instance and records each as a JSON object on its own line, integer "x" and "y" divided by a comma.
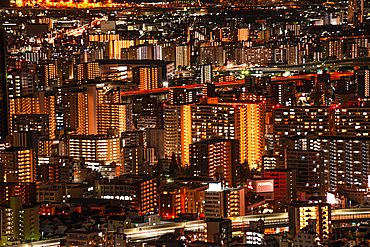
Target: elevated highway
{"x": 270, "y": 220}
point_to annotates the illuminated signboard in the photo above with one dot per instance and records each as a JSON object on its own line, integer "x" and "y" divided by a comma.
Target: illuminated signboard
{"x": 260, "y": 185}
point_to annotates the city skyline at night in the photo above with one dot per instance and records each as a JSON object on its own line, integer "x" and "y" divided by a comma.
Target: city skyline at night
{"x": 185, "y": 123}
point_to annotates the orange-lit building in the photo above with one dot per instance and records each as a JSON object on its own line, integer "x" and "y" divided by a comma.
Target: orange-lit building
{"x": 177, "y": 133}
{"x": 114, "y": 116}
{"x": 26, "y": 190}
{"x": 148, "y": 77}
{"x": 49, "y": 172}
{"x": 176, "y": 199}
{"x": 47, "y": 210}
{"x": 39, "y": 104}
{"x": 239, "y": 120}
{"x": 94, "y": 148}
{"x": 169, "y": 202}
{"x": 216, "y": 158}
{"x": 19, "y": 165}
{"x": 46, "y": 73}
{"x": 299, "y": 214}
{"x": 87, "y": 71}
{"x": 79, "y": 110}
{"x": 149, "y": 196}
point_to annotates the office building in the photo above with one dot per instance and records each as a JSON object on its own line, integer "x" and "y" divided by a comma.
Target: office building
{"x": 284, "y": 183}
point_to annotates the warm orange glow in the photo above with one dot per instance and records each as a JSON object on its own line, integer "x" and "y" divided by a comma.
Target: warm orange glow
{"x": 186, "y": 137}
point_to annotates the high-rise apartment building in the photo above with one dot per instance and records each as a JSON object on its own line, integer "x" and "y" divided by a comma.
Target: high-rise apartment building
{"x": 345, "y": 158}
{"x": 20, "y": 81}
{"x": 149, "y": 196}
{"x": 351, "y": 121}
{"x": 182, "y": 56}
{"x": 310, "y": 170}
{"x": 243, "y": 34}
{"x": 38, "y": 104}
{"x": 221, "y": 202}
{"x": 177, "y": 120}
{"x": 206, "y": 73}
{"x": 80, "y": 112}
{"x": 31, "y": 122}
{"x": 148, "y": 77}
{"x": 114, "y": 116}
{"x": 94, "y": 148}
{"x": 182, "y": 96}
{"x": 214, "y": 55}
{"x": 292, "y": 121}
{"x": 216, "y": 158}
{"x": 46, "y": 73}
{"x": 26, "y": 220}
{"x": 243, "y": 121}
{"x": 87, "y": 71}
{"x": 19, "y": 164}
